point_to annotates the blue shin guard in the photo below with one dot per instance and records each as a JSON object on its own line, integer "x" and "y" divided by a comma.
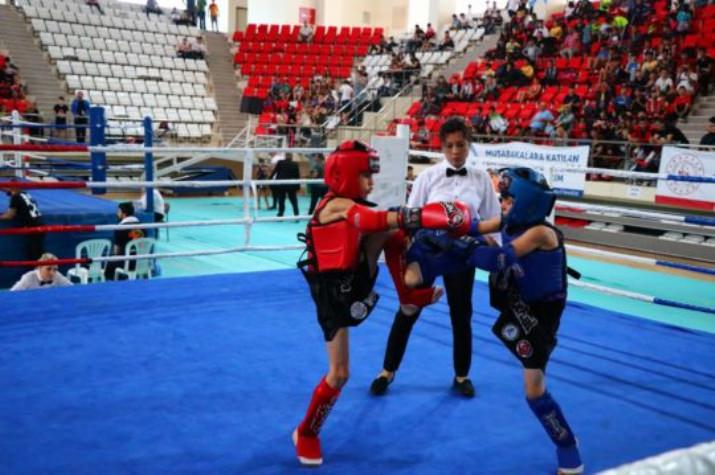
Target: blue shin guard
{"x": 547, "y": 410}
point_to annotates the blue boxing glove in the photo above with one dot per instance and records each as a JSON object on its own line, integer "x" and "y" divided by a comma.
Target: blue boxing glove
{"x": 438, "y": 253}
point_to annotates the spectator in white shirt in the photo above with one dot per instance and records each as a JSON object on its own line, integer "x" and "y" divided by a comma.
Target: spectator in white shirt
{"x": 159, "y": 205}
{"x": 346, "y": 93}
{"x": 664, "y": 84}
{"x": 449, "y": 180}
{"x": 42, "y": 276}
{"x": 305, "y": 35}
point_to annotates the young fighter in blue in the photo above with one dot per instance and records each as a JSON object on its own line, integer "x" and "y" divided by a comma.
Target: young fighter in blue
{"x": 527, "y": 285}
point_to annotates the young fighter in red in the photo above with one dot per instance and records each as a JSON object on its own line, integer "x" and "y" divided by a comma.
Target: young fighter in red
{"x": 343, "y": 241}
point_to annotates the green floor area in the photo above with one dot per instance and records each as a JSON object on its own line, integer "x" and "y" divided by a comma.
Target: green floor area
{"x": 660, "y": 284}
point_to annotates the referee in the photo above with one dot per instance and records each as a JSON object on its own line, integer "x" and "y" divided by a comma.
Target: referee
{"x": 446, "y": 181}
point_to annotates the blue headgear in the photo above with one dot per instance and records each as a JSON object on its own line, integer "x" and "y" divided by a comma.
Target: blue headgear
{"x": 533, "y": 198}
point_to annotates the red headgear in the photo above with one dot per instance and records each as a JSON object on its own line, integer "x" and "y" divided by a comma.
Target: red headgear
{"x": 344, "y": 166}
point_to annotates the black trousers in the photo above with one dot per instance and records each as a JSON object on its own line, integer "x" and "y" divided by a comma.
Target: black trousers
{"x": 281, "y": 194}
{"x": 81, "y": 132}
{"x": 316, "y": 193}
{"x": 35, "y": 246}
{"x": 458, "y": 287}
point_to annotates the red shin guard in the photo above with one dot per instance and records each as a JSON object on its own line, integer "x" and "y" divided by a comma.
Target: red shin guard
{"x": 395, "y": 248}
{"x": 323, "y": 400}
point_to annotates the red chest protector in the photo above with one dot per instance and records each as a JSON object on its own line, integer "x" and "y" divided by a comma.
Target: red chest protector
{"x": 333, "y": 246}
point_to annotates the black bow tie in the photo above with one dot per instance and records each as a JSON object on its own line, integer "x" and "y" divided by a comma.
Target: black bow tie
{"x": 460, "y": 172}
{"x": 45, "y": 282}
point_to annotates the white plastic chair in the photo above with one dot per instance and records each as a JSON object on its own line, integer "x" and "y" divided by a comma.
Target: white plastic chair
{"x": 142, "y": 267}
{"x": 91, "y": 248}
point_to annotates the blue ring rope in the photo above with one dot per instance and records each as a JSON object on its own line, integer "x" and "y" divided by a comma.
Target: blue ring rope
{"x": 688, "y": 267}
{"x": 686, "y": 306}
{"x": 696, "y": 179}
{"x": 702, "y": 220}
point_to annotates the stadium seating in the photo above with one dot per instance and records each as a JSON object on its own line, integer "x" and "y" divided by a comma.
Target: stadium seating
{"x": 268, "y": 51}
{"x": 126, "y": 63}
{"x": 576, "y": 71}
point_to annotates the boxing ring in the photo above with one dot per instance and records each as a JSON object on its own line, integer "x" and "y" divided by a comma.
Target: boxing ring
{"x": 210, "y": 373}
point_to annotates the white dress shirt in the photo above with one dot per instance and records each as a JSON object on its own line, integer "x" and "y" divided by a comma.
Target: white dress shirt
{"x": 32, "y": 280}
{"x": 475, "y": 189}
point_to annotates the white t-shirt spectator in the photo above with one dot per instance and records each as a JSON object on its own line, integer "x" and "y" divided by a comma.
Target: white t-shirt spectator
{"x": 663, "y": 84}
{"x": 32, "y": 280}
{"x": 346, "y": 92}
{"x": 158, "y": 202}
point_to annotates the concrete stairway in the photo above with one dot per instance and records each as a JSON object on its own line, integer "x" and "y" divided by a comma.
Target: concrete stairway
{"x": 699, "y": 118}
{"x": 43, "y": 84}
{"x": 220, "y": 62}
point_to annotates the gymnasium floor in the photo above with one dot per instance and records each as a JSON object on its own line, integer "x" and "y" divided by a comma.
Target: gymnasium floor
{"x": 210, "y": 373}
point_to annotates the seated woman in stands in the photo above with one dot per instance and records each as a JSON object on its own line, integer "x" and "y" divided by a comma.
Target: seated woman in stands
{"x": 530, "y": 93}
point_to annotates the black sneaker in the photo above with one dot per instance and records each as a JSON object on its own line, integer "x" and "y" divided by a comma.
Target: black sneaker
{"x": 465, "y": 388}
{"x": 380, "y": 384}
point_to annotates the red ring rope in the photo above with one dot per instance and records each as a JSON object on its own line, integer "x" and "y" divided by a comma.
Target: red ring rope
{"x": 55, "y": 185}
{"x": 31, "y": 147}
{"x": 53, "y": 262}
{"x": 56, "y": 228}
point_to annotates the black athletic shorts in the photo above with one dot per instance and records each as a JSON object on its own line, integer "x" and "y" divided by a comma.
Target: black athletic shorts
{"x": 342, "y": 298}
{"x": 529, "y": 330}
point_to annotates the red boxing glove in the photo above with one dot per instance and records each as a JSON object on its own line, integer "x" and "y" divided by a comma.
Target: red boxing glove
{"x": 366, "y": 219}
{"x": 450, "y": 215}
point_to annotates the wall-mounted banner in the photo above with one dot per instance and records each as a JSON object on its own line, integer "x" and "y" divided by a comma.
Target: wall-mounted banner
{"x": 551, "y": 161}
{"x": 685, "y": 162}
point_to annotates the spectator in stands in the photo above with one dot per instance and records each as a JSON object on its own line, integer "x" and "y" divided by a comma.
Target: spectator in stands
{"x": 571, "y": 45}
{"x": 670, "y": 133}
{"x": 447, "y": 42}
{"x": 122, "y": 237}
{"x": 32, "y": 114}
{"x": 456, "y": 25}
{"x": 464, "y": 22}
{"x": 201, "y": 13}
{"x": 80, "y": 112}
{"x": 564, "y": 122}
{"x": 42, "y": 277}
{"x": 664, "y": 84}
{"x": 704, "y": 69}
{"x": 682, "y": 103}
{"x": 286, "y": 169}
{"x": 61, "y": 110}
{"x": 191, "y": 11}
{"x": 317, "y": 190}
{"x": 572, "y": 98}
{"x": 95, "y": 4}
{"x": 152, "y": 7}
{"x": 213, "y": 12}
{"x": 346, "y": 93}
{"x": 23, "y": 210}
{"x": 497, "y": 124}
{"x": 491, "y": 89}
{"x": 709, "y": 138}
{"x": 551, "y": 74}
{"x": 305, "y": 34}
{"x": 184, "y": 49}
{"x": 529, "y": 94}
{"x": 532, "y": 51}
{"x": 175, "y": 16}
{"x": 430, "y": 33}
{"x": 420, "y": 139}
{"x": 198, "y": 49}
{"x": 541, "y": 120}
